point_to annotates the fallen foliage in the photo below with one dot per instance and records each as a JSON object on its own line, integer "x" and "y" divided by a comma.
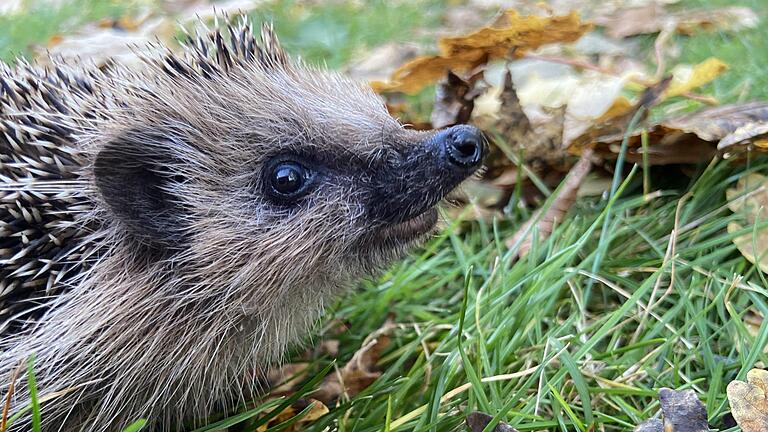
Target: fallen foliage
{"x": 510, "y": 37}
{"x": 654, "y": 17}
{"x": 477, "y": 421}
{"x": 749, "y": 198}
{"x": 681, "y": 411}
{"x": 749, "y": 401}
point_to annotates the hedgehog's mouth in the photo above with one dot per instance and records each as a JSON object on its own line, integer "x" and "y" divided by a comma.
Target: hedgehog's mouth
{"x": 410, "y": 229}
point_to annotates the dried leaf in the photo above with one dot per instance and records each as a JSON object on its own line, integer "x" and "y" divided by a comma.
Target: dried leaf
{"x": 749, "y": 401}
{"x": 749, "y": 197}
{"x": 714, "y": 124}
{"x": 650, "y": 18}
{"x": 691, "y": 138}
{"x": 611, "y": 130}
{"x": 754, "y": 132}
{"x": 541, "y": 144}
{"x": 316, "y": 410}
{"x": 653, "y": 18}
{"x": 285, "y": 379}
{"x": 360, "y": 372}
{"x": 682, "y": 411}
{"x": 511, "y": 37}
{"x": 733, "y": 18}
{"x": 477, "y": 421}
{"x": 455, "y": 100}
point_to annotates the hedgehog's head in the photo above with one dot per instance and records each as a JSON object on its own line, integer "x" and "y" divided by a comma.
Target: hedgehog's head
{"x": 246, "y": 166}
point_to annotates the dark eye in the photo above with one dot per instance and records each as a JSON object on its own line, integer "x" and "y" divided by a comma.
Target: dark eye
{"x": 289, "y": 179}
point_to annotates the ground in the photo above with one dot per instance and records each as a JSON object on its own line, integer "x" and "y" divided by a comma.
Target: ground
{"x": 583, "y": 331}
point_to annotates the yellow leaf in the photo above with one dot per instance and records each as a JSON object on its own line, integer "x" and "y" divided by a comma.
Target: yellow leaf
{"x": 510, "y": 37}
{"x": 686, "y": 80}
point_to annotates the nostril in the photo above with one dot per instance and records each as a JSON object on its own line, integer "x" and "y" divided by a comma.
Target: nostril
{"x": 464, "y": 146}
{"x": 467, "y": 149}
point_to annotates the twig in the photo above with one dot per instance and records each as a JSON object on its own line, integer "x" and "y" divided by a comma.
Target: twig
{"x": 560, "y": 205}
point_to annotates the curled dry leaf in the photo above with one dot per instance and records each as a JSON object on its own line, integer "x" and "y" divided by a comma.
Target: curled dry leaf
{"x": 605, "y": 122}
{"x": 749, "y": 198}
{"x": 691, "y": 138}
{"x": 612, "y": 126}
{"x": 653, "y": 17}
{"x": 509, "y": 37}
{"x": 749, "y": 401}
{"x": 755, "y": 133}
{"x": 360, "y": 372}
{"x": 681, "y": 411}
{"x": 477, "y": 421}
{"x": 454, "y": 101}
{"x": 316, "y": 409}
{"x": 286, "y": 378}
{"x": 541, "y": 144}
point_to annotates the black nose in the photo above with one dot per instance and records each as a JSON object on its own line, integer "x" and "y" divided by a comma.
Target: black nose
{"x": 463, "y": 146}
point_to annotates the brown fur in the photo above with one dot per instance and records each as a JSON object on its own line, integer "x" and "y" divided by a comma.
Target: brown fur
{"x": 171, "y": 312}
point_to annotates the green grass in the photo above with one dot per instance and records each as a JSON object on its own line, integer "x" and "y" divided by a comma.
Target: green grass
{"x": 20, "y": 33}
{"x": 747, "y": 78}
{"x": 335, "y": 32}
{"x": 613, "y": 352}
{"x": 573, "y": 345}
{"x": 576, "y": 346}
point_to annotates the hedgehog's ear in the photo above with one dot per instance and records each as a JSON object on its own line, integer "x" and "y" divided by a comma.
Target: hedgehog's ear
{"x": 135, "y": 179}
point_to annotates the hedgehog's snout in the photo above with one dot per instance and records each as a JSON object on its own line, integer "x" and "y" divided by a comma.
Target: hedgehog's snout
{"x": 462, "y": 146}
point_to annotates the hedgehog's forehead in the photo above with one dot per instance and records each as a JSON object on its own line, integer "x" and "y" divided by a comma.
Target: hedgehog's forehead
{"x": 290, "y": 105}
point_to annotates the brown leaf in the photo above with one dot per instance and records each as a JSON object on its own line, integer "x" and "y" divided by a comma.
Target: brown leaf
{"x": 360, "y": 372}
{"x": 749, "y": 401}
{"x": 751, "y": 132}
{"x": 477, "y": 421}
{"x": 540, "y": 144}
{"x": 691, "y": 138}
{"x": 511, "y": 37}
{"x": 713, "y": 124}
{"x": 286, "y": 378}
{"x": 749, "y": 197}
{"x": 653, "y": 18}
{"x": 649, "y": 18}
{"x": 682, "y": 411}
{"x": 455, "y": 100}
{"x": 316, "y": 410}
{"x": 732, "y": 18}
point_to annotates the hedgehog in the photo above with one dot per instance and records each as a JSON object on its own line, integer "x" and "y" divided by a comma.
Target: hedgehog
{"x": 168, "y": 232}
